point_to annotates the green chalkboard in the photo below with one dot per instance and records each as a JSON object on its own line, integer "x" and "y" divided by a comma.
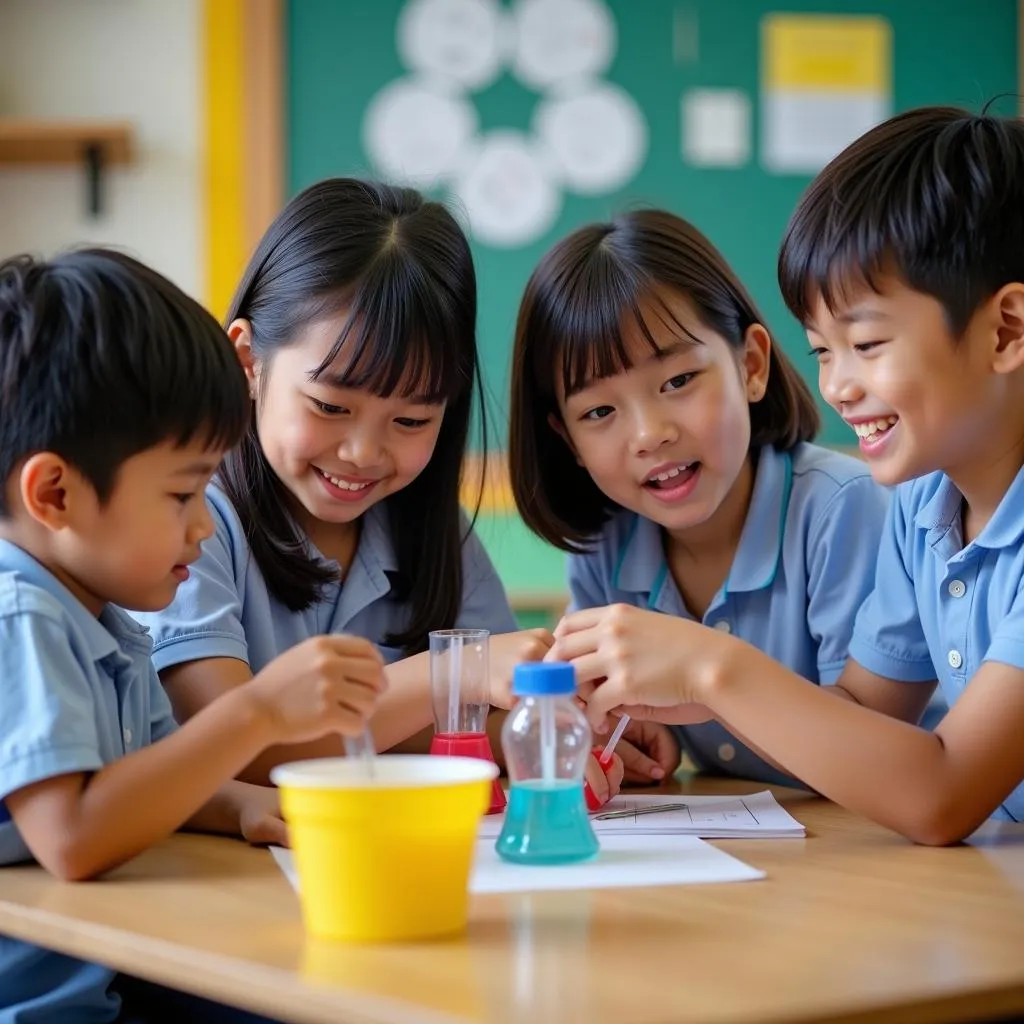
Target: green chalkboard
{"x": 340, "y": 52}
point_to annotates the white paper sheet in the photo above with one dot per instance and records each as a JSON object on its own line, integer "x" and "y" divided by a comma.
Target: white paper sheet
{"x": 623, "y": 861}
{"x": 716, "y": 127}
{"x": 802, "y": 131}
{"x": 754, "y": 816}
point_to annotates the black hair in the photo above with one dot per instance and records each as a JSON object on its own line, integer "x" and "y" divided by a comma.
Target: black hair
{"x": 400, "y": 269}
{"x": 933, "y": 196}
{"x": 101, "y": 358}
{"x": 571, "y": 323}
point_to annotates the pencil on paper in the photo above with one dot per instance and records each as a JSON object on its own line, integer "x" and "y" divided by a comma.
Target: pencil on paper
{"x": 650, "y": 809}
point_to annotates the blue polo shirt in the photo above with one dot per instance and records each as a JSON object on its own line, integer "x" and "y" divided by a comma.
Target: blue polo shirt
{"x": 940, "y": 609}
{"x": 77, "y": 693}
{"x": 224, "y": 609}
{"x": 804, "y": 564}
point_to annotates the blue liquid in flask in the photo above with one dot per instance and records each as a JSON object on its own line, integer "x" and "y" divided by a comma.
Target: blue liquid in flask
{"x": 546, "y": 823}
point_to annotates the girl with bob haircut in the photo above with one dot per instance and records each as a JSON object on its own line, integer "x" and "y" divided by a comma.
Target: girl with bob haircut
{"x": 662, "y": 438}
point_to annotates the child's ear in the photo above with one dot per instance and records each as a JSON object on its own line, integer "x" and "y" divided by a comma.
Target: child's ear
{"x": 556, "y": 424}
{"x": 1008, "y": 305}
{"x": 756, "y": 361}
{"x": 240, "y": 333}
{"x": 48, "y": 487}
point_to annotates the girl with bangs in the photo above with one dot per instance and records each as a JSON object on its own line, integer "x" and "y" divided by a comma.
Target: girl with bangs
{"x": 661, "y": 437}
{"x": 339, "y": 512}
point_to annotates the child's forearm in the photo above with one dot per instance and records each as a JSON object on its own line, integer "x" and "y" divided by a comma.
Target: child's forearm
{"x": 886, "y": 769}
{"x": 835, "y": 691}
{"x": 257, "y": 772}
{"x": 402, "y": 715}
{"x": 222, "y": 813}
{"x": 404, "y": 708}
{"x": 143, "y": 797}
{"x": 403, "y": 711}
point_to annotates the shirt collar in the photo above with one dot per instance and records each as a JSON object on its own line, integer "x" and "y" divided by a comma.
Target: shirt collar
{"x": 375, "y": 542}
{"x": 760, "y": 549}
{"x": 641, "y": 565}
{"x": 942, "y": 512}
{"x": 375, "y": 545}
{"x": 103, "y": 636}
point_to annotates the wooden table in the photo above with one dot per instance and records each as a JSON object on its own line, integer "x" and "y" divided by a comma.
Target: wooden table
{"x": 852, "y": 924}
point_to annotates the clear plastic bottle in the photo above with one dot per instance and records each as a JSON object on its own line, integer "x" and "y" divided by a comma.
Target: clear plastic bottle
{"x": 547, "y": 743}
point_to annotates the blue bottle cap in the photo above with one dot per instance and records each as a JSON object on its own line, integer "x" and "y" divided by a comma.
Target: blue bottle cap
{"x": 544, "y": 679}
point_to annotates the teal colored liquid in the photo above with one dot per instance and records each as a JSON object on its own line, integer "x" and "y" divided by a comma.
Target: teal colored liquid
{"x": 546, "y": 823}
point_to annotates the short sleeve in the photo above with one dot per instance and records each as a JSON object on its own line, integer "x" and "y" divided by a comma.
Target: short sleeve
{"x": 48, "y": 726}
{"x": 843, "y": 551}
{"x": 888, "y": 638}
{"x": 586, "y": 589}
{"x": 205, "y": 618}
{"x": 1007, "y": 644}
{"x": 484, "y": 603}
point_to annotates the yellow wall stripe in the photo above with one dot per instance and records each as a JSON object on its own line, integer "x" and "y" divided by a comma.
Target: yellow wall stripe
{"x": 496, "y": 498}
{"x": 223, "y": 64}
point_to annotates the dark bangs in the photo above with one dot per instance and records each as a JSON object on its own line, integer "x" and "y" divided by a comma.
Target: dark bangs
{"x": 931, "y": 197}
{"x": 585, "y": 337}
{"x": 397, "y": 337}
{"x": 594, "y": 281}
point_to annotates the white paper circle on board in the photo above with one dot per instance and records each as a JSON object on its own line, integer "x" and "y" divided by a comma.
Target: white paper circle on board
{"x": 415, "y": 133}
{"x": 460, "y": 40}
{"x": 562, "y": 41}
{"x": 508, "y": 191}
{"x": 597, "y": 137}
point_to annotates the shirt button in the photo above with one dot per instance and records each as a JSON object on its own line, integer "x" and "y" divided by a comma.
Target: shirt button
{"x": 127, "y": 735}
{"x": 955, "y": 659}
{"x": 957, "y": 588}
{"x": 726, "y": 751}
{"x": 723, "y": 626}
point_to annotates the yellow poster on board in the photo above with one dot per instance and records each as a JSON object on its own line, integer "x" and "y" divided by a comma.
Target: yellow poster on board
{"x": 825, "y": 79}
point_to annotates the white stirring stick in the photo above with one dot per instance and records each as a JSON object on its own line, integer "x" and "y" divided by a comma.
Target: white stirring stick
{"x": 362, "y": 746}
{"x": 454, "y": 682}
{"x": 547, "y": 742}
{"x": 609, "y": 747}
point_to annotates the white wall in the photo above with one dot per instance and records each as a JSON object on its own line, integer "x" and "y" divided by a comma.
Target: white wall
{"x": 135, "y": 60}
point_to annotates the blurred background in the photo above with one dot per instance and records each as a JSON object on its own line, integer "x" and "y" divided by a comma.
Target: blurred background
{"x": 177, "y": 128}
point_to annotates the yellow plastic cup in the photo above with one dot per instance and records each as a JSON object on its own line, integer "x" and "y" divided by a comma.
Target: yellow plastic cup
{"x": 384, "y": 858}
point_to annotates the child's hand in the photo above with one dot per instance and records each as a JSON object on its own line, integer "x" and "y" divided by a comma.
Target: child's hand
{"x": 649, "y": 665}
{"x": 325, "y": 684}
{"x": 649, "y": 752}
{"x": 506, "y": 651}
{"x": 604, "y": 782}
{"x": 259, "y": 817}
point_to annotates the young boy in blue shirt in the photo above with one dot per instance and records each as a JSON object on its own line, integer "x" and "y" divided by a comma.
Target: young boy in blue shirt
{"x": 904, "y": 261}
{"x": 119, "y": 396}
